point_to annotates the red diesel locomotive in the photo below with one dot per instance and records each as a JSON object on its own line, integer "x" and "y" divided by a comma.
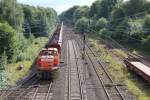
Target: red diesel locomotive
{"x": 49, "y": 57}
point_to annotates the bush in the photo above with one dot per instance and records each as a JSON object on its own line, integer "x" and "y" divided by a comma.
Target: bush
{"x": 8, "y": 40}
{"x": 21, "y": 57}
{"x": 147, "y": 21}
{"x": 81, "y": 25}
{"x": 3, "y": 61}
{"x": 101, "y": 23}
{"x": 104, "y": 32}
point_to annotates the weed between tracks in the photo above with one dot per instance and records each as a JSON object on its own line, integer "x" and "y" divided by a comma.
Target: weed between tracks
{"x": 116, "y": 69}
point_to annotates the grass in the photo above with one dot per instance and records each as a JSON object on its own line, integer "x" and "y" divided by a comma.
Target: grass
{"x": 118, "y": 72}
{"x": 34, "y": 48}
{"x": 119, "y": 53}
{"x": 14, "y": 74}
{"x": 141, "y": 92}
{"x": 26, "y": 58}
{"x": 136, "y": 47}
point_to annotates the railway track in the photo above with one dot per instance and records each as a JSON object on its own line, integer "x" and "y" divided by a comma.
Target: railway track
{"x": 10, "y": 91}
{"x": 41, "y": 91}
{"x": 75, "y": 79}
{"x": 80, "y": 71}
{"x": 110, "y": 88}
{"x": 34, "y": 89}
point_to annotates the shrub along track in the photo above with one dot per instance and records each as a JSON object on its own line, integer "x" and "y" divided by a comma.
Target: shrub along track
{"x": 112, "y": 44}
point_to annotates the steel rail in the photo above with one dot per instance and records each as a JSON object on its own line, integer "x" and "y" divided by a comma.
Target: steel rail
{"x": 35, "y": 92}
{"x": 19, "y": 96}
{"x": 80, "y": 82}
{"x": 49, "y": 89}
{"x": 104, "y": 71}
{"x": 69, "y": 72}
{"x": 107, "y": 94}
{"x": 39, "y": 86}
{"x": 3, "y": 96}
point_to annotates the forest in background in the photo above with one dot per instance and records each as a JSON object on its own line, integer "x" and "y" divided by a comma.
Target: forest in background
{"x": 126, "y": 22}
{"x": 19, "y": 26}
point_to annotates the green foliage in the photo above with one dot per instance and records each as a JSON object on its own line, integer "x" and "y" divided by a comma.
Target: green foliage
{"x": 95, "y": 9}
{"x": 126, "y": 21}
{"x": 148, "y": 39}
{"x": 134, "y": 6}
{"x": 8, "y": 40}
{"x": 103, "y": 8}
{"x": 12, "y": 13}
{"x": 68, "y": 16}
{"x": 80, "y": 12}
{"x": 101, "y": 23}
{"x": 3, "y": 80}
{"x": 117, "y": 13}
{"x": 16, "y": 19}
{"x": 38, "y": 20}
{"x": 104, "y": 32}
{"x": 81, "y": 26}
{"x": 3, "y": 60}
{"x": 147, "y": 21}
{"x": 136, "y": 29}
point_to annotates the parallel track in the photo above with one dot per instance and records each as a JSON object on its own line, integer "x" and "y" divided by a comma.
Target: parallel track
{"x": 42, "y": 92}
{"x": 75, "y": 82}
{"x": 33, "y": 90}
{"x": 80, "y": 77}
{"x": 25, "y": 84}
{"x": 112, "y": 92}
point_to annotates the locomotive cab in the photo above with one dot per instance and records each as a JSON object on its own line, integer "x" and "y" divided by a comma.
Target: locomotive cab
{"x": 55, "y": 54}
{"x": 48, "y": 59}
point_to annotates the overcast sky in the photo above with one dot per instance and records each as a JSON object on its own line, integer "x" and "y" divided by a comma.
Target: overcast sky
{"x": 58, "y": 5}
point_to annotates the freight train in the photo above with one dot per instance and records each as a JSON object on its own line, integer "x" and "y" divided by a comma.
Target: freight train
{"x": 138, "y": 67}
{"x": 49, "y": 57}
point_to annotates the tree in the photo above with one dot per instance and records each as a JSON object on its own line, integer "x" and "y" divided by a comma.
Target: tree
{"x": 68, "y": 15}
{"x": 12, "y": 13}
{"x": 101, "y": 23}
{"x": 103, "y": 8}
{"x": 95, "y": 9}
{"x": 147, "y": 21}
{"x": 39, "y": 21}
{"x": 134, "y": 6}
{"x": 117, "y": 13}
{"x": 136, "y": 30}
{"x": 81, "y": 26}
{"x": 8, "y": 41}
{"x": 81, "y": 12}
{"x": 120, "y": 32}
{"x": 3, "y": 61}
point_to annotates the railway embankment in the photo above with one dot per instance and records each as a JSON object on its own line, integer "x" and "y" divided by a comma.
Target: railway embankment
{"x": 14, "y": 75}
{"x": 117, "y": 69}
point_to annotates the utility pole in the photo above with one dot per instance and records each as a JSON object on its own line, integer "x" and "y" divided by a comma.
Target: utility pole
{"x": 84, "y": 43}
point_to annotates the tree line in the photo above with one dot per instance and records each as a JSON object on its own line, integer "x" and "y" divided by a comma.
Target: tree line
{"x": 124, "y": 21}
{"x": 18, "y": 24}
